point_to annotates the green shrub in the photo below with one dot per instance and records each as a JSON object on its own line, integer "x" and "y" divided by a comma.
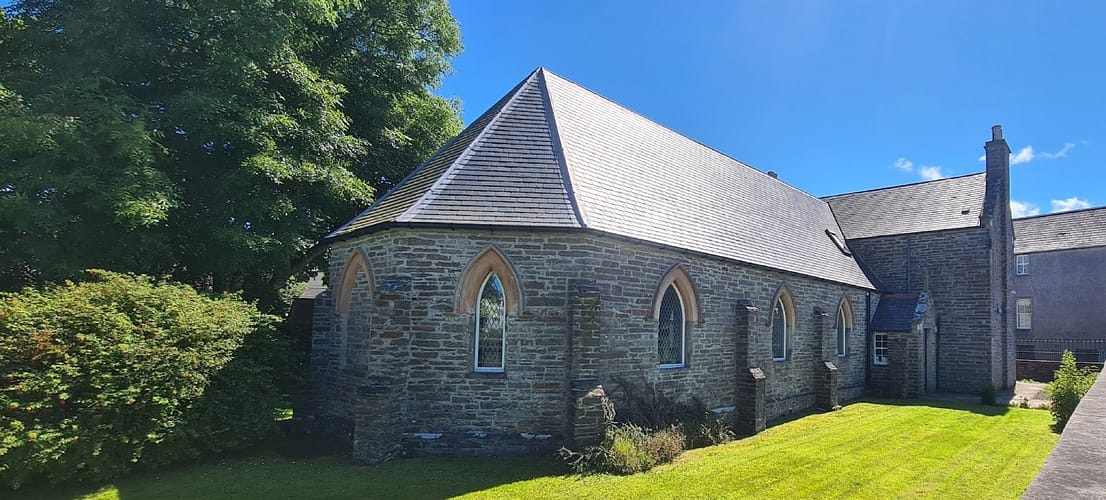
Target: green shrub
{"x": 709, "y": 430}
{"x": 120, "y": 371}
{"x": 1066, "y": 389}
{"x": 627, "y": 449}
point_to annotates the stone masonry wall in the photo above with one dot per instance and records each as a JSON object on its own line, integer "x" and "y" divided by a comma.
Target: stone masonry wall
{"x": 955, "y": 266}
{"x": 902, "y": 376}
{"x": 405, "y": 329}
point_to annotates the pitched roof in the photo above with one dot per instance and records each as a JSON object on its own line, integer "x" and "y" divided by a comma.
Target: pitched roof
{"x": 1061, "y": 231}
{"x": 500, "y": 170}
{"x": 554, "y": 154}
{"x": 951, "y": 203}
{"x": 896, "y": 312}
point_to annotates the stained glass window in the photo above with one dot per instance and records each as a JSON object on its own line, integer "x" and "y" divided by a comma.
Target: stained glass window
{"x": 491, "y": 323}
{"x": 670, "y": 330}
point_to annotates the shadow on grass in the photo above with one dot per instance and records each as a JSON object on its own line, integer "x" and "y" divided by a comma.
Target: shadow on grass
{"x": 277, "y": 471}
{"x": 945, "y": 403}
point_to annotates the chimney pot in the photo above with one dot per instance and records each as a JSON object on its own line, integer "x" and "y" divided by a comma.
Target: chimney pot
{"x": 996, "y": 132}
{"x": 773, "y": 175}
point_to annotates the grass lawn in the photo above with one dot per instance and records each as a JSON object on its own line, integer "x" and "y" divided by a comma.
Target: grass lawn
{"x": 869, "y": 450}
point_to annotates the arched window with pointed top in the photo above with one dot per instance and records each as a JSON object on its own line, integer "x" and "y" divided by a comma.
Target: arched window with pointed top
{"x": 844, "y": 327}
{"x": 670, "y": 329}
{"x": 783, "y": 324}
{"x": 489, "y": 291}
{"x": 491, "y": 326}
{"x": 675, "y": 306}
{"x": 356, "y": 275}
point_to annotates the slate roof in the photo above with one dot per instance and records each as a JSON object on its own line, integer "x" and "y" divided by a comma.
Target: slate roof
{"x": 554, "y": 154}
{"x": 1060, "y": 231}
{"x": 895, "y": 312}
{"x": 952, "y": 203}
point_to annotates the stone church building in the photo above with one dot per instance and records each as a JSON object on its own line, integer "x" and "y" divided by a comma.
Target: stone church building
{"x": 562, "y": 246}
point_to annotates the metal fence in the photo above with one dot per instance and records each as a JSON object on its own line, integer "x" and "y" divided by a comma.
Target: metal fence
{"x": 1085, "y": 350}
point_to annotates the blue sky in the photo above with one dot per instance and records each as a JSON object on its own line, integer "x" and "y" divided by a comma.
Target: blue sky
{"x": 835, "y": 96}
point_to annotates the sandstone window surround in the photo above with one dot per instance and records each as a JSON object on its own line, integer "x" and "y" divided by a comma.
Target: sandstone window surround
{"x": 489, "y": 292}
{"x": 844, "y": 327}
{"x": 783, "y": 324}
{"x": 1022, "y": 265}
{"x": 880, "y": 354}
{"x": 675, "y": 308}
{"x": 1025, "y": 314}
{"x": 356, "y": 265}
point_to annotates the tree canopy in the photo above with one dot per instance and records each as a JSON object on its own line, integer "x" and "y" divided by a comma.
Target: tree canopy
{"x": 214, "y": 141}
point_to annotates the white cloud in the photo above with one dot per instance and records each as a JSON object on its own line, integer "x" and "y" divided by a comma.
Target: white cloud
{"x": 930, "y": 173}
{"x": 1027, "y": 154}
{"x": 1023, "y": 156}
{"x": 904, "y": 165}
{"x": 1069, "y": 204}
{"x": 1022, "y": 209}
{"x": 927, "y": 172}
{"x": 1062, "y": 153}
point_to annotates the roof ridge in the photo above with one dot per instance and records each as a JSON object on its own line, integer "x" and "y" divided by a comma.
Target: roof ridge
{"x": 447, "y": 176}
{"x": 558, "y": 146}
{"x": 678, "y": 133}
{"x": 901, "y": 185}
{"x": 1065, "y": 212}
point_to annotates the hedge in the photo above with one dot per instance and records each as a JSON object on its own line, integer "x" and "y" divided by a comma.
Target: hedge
{"x": 123, "y": 371}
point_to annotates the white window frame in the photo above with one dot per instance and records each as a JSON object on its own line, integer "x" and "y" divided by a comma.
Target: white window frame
{"x": 844, "y": 329}
{"x": 476, "y": 345}
{"x": 683, "y": 329}
{"x": 1024, "y": 313}
{"x": 881, "y": 354}
{"x": 786, "y": 329}
{"x": 1021, "y": 266}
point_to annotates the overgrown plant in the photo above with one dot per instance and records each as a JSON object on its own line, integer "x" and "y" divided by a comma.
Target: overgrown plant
{"x": 630, "y": 445}
{"x": 1067, "y": 388}
{"x": 121, "y": 371}
{"x": 647, "y": 406}
{"x": 627, "y": 449}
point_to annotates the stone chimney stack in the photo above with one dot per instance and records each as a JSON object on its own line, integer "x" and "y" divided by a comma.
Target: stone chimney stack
{"x": 998, "y": 174}
{"x": 997, "y": 218}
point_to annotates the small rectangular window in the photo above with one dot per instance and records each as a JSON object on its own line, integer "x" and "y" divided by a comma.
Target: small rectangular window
{"x": 1025, "y": 314}
{"x": 1022, "y": 265}
{"x": 880, "y": 352}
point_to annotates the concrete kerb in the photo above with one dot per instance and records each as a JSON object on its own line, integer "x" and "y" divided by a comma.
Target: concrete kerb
{"x": 1074, "y": 468}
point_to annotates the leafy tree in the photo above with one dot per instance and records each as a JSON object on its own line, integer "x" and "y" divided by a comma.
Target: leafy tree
{"x": 214, "y": 141}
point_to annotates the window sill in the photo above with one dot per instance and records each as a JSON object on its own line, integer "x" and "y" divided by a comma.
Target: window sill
{"x": 492, "y": 375}
{"x": 877, "y": 363}
{"x": 671, "y": 367}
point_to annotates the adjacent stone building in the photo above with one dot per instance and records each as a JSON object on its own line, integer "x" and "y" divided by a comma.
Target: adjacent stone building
{"x": 1060, "y": 280}
{"x": 563, "y": 249}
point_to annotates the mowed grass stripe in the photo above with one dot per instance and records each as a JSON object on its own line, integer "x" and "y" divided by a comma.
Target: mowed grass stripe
{"x": 877, "y": 449}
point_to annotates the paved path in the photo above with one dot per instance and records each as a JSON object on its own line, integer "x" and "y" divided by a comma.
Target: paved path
{"x": 1032, "y": 393}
